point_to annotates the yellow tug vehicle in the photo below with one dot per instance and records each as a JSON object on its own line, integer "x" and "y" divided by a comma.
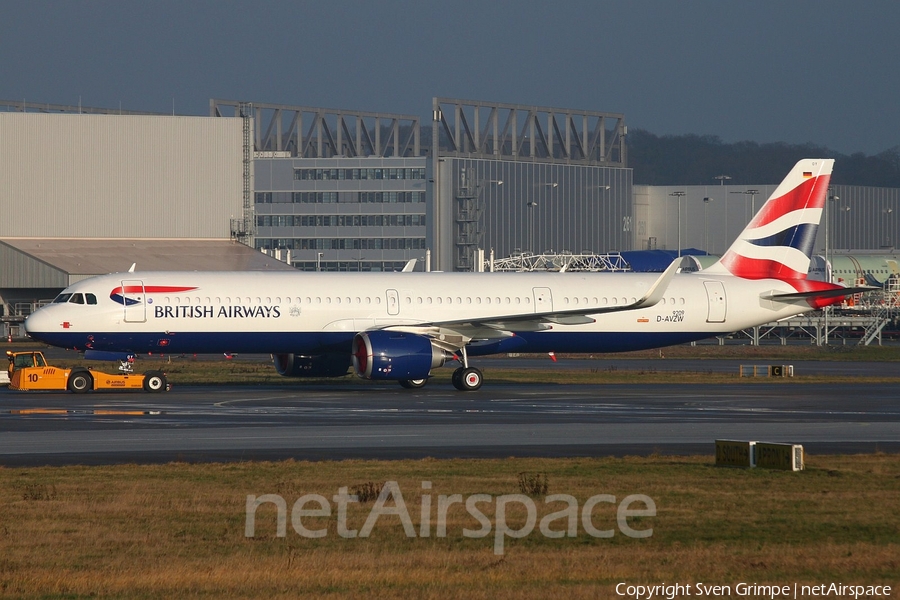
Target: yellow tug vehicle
{"x": 29, "y": 371}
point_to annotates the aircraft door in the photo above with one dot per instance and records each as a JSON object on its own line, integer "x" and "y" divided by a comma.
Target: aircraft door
{"x": 543, "y": 300}
{"x": 393, "y": 302}
{"x": 715, "y": 293}
{"x": 134, "y": 299}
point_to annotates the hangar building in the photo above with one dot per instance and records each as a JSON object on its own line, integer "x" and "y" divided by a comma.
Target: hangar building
{"x": 356, "y": 191}
{"x": 85, "y": 193}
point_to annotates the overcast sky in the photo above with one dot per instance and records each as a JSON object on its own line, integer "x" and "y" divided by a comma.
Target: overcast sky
{"x": 820, "y": 71}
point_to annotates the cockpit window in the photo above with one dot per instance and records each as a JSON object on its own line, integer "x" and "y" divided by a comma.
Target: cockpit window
{"x": 77, "y": 299}
{"x": 91, "y": 298}
{"x": 62, "y": 298}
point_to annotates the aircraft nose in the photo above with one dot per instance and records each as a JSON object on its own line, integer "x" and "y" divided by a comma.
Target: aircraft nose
{"x": 38, "y": 322}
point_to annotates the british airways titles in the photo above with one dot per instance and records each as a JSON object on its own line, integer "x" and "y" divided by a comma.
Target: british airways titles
{"x": 210, "y": 312}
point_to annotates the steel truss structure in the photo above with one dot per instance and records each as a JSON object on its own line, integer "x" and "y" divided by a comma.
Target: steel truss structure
{"x": 862, "y": 324}
{"x": 305, "y": 132}
{"x": 43, "y": 107}
{"x": 474, "y": 129}
{"x": 511, "y": 134}
{"x": 559, "y": 262}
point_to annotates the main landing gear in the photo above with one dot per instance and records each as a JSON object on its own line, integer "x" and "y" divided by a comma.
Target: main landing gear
{"x": 413, "y": 384}
{"x": 466, "y": 378}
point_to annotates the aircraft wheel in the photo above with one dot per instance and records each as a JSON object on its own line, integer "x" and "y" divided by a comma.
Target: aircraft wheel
{"x": 80, "y": 382}
{"x": 467, "y": 379}
{"x": 154, "y": 381}
{"x": 413, "y": 384}
{"x": 455, "y": 378}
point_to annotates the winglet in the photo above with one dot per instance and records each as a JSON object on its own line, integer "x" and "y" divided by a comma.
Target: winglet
{"x": 410, "y": 265}
{"x": 659, "y": 287}
{"x": 133, "y": 265}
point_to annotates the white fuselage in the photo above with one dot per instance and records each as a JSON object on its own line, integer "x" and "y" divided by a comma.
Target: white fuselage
{"x": 311, "y": 312}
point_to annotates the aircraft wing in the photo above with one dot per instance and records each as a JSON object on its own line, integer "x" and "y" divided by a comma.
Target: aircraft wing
{"x": 454, "y": 334}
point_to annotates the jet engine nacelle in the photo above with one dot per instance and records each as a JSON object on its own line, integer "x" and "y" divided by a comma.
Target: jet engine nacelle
{"x": 395, "y": 355}
{"x": 321, "y": 365}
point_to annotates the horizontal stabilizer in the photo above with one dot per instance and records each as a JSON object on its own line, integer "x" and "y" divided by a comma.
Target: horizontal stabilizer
{"x": 830, "y": 293}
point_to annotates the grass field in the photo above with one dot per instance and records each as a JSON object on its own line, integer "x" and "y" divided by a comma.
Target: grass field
{"x": 178, "y": 530}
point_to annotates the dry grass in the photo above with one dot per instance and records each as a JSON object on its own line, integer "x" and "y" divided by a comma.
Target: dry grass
{"x": 178, "y": 530}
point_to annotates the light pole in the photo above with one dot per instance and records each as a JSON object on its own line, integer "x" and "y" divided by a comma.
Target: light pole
{"x": 319, "y": 256}
{"x": 830, "y": 198}
{"x": 887, "y": 226}
{"x": 605, "y": 207}
{"x": 531, "y": 206}
{"x": 752, "y": 194}
{"x": 706, "y": 202}
{"x": 844, "y": 210}
{"x": 679, "y": 195}
{"x": 722, "y": 179}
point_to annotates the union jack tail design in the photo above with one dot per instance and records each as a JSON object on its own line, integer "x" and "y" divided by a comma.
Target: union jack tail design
{"x": 778, "y": 242}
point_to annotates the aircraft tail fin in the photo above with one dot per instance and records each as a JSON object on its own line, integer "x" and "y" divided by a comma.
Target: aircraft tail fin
{"x": 778, "y": 241}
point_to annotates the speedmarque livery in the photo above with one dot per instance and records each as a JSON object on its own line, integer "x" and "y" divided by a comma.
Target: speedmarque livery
{"x": 401, "y": 326}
